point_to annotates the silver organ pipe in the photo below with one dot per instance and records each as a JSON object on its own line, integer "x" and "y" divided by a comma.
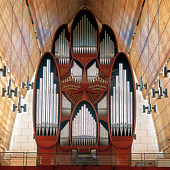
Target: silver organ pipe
{"x": 76, "y": 71}
{"x": 40, "y": 105}
{"x": 37, "y": 111}
{"x": 84, "y": 37}
{"x": 106, "y": 50}
{"x": 64, "y": 135}
{"x": 128, "y": 107}
{"x": 51, "y": 103}
{"x": 103, "y": 135}
{"x": 54, "y": 112}
{"x": 47, "y": 104}
{"x": 131, "y": 113}
{"x": 121, "y": 101}
{"x": 47, "y": 96}
{"x": 92, "y": 72}
{"x": 121, "y": 97}
{"x": 84, "y": 128}
{"x": 43, "y": 114}
{"x": 79, "y": 37}
{"x": 111, "y": 114}
{"x": 117, "y": 105}
{"x": 62, "y": 48}
{"x": 124, "y": 102}
{"x": 87, "y": 37}
{"x": 114, "y": 112}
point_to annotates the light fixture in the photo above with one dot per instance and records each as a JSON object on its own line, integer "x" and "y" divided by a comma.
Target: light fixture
{"x": 9, "y": 90}
{"x": 160, "y": 90}
{"x": 149, "y": 108}
{"x": 165, "y": 72}
{"x": 4, "y": 71}
{"x": 27, "y": 84}
{"x": 19, "y": 106}
{"x": 141, "y": 85}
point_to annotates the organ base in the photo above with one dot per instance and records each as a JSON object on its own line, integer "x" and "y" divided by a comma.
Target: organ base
{"x": 118, "y": 152}
{"x": 45, "y": 151}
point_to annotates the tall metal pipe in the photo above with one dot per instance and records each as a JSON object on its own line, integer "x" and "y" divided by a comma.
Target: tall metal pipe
{"x": 40, "y": 105}
{"x": 44, "y": 101}
{"x": 128, "y": 106}
{"x": 73, "y": 134}
{"x": 111, "y": 111}
{"x": 117, "y": 105}
{"x": 57, "y": 110}
{"x": 131, "y": 112}
{"x": 82, "y": 34}
{"x": 107, "y": 54}
{"x": 51, "y": 103}
{"x": 124, "y": 102}
{"x": 37, "y": 112}
{"x": 114, "y": 111}
{"x": 74, "y": 40}
{"x": 85, "y": 34}
{"x": 80, "y": 44}
{"x": 78, "y": 38}
{"x": 54, "y": 111}
{"x": 121, "y": 96}
{"x": 47, "y": 96}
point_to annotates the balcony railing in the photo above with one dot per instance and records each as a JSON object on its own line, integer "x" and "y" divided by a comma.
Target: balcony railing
{"x": 114, "y": 159}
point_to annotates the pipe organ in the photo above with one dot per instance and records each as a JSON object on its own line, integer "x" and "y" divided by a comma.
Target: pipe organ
{"x": 84, "y": 95}
{"x": 84, "y": 37}
{"x": 62, "y": 49}
{"x": 107, "y": 49}
{"x": 121, "y": 106}
{"x": 84, "y": 128}
{"x": 47, "y": 106}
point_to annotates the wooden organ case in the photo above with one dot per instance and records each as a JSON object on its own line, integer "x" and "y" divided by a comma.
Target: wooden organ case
{"x": 84, "y": 97}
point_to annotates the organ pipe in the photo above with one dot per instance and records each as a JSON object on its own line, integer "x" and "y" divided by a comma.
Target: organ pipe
{"x": 103, "y": 135}
{"x": 84, "y": 37}
{"x": 64, "y": 135}
{"x": 121, "y": 110}
{"x": 62, "y": 48}
{"x": 47, "y": 104}
{"x": 84, "y": 128}
{"x": 37, "y": 111}
{"x": 106, "y": 49}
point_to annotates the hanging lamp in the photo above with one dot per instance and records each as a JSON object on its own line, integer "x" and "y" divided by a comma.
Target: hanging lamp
{"x": 160, "y": 90}
{"x": 27, "y": 84}
{"x": 20, "y": 106}
{"x": 9, "y": 90}
{"x": 141, "y": 85}
{"x": 149, "y": 107}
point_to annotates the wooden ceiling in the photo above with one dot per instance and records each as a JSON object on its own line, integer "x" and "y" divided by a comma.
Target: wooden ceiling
{"x": 120, "y": 15}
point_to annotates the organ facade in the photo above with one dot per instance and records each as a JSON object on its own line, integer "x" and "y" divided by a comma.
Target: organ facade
{"x": 84, "y": 97}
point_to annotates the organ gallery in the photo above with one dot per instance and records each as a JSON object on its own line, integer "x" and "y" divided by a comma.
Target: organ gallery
{"x": 84, "y": 97}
